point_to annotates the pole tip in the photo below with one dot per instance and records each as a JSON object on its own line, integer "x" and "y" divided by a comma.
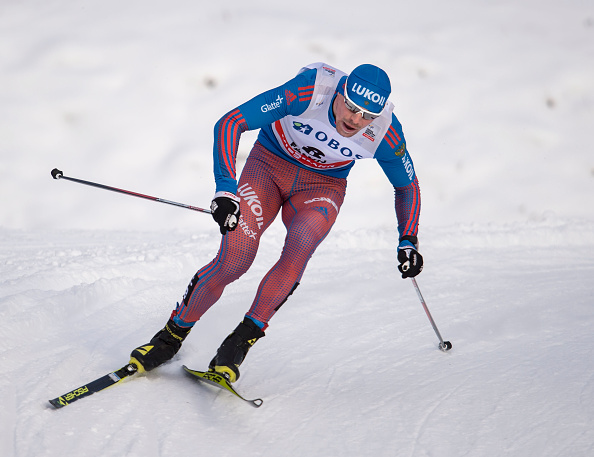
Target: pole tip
{"x": 445, "y": 346}
{"x": 57, "y": 174}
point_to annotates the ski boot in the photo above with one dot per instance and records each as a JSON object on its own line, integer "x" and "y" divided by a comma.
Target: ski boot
{"x": 234, "y": 349}
{"x": 162, "y": 347}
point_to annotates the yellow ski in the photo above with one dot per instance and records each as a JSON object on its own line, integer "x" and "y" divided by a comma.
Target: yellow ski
{"x": 218, "y": 380}
{"x": 97, "y": 385}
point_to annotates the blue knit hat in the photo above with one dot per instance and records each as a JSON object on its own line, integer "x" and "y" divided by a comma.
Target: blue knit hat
{"x": 368, "y": 87}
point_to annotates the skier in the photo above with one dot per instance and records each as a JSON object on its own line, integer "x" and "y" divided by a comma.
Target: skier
{"x": 312, "y": 130}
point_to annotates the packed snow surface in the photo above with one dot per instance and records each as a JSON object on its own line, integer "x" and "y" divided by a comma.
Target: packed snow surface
{"x": 497, "y": 104}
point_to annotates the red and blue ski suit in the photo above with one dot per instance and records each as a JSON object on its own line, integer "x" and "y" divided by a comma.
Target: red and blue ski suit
{"x": 298, "y": 166}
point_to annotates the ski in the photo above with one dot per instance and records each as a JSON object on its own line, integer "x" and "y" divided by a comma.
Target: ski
{"x": 97, "y": 385}
{"x": 215, "y": 379}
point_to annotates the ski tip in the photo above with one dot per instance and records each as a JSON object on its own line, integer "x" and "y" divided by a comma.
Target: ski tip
{"x": 57, "y": 403}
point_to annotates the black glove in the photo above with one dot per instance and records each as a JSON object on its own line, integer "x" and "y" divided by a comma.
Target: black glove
{"x": 225, "y": 211}
{"x": 411, "y": 262}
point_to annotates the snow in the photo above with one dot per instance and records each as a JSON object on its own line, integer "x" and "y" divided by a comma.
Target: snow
{"x": 497, "y": 104}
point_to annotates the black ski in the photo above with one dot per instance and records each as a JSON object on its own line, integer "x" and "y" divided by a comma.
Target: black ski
{"x": 215, "y": 379}
{"x": 97, "y": 385}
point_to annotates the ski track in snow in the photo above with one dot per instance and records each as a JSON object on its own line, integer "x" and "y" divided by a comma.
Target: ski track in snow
{"x": 349, "y": 366}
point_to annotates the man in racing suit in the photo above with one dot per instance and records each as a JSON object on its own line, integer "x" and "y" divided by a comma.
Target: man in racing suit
{"x": 312, "y": 130}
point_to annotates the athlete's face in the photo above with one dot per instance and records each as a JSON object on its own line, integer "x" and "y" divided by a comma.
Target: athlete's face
{"x": 347, "y": 122}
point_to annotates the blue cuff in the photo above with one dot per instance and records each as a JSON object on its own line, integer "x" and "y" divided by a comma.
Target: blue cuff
{"x": 256, "y": 321}
{"x": 405, "y": 244}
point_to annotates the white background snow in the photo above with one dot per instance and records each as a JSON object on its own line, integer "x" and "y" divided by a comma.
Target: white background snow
{"x": 497, "y": 104}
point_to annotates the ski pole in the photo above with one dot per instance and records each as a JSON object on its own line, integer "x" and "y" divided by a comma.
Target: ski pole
{"x": 443, "y": 345}
{"x": 57, "y": 174}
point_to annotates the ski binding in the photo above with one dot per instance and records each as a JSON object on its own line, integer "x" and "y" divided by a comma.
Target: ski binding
{"x": 218, "y": 380}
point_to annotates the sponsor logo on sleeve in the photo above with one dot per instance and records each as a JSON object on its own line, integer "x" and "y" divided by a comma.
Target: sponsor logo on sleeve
{"x": 272, "y": 106}
{"x": 290, "y": 96}
{"x": 408, "y": 167}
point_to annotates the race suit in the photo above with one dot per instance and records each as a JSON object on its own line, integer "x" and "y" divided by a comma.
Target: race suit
{"x": 299, "y": 165}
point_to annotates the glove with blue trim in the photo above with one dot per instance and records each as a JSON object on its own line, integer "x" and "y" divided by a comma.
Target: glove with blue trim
{"x": 225, "y": 211}
{"x": 411, "y": 262}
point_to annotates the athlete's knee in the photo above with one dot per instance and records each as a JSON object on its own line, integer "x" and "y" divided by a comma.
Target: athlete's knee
{"x": 233, "y": 270}
{"x": 234, "y": 264}
{"x": 220, "y": 272}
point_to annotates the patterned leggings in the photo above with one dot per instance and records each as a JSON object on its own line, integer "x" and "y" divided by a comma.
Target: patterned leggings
{"x": 310, "y": 203}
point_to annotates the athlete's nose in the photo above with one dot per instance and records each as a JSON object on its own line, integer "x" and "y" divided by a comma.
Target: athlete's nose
{"x": 354, "y": 119}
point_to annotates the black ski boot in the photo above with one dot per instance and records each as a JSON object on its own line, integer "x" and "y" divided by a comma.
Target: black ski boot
{"x": 234, "y": 349}
{"x": 162, "y": 347}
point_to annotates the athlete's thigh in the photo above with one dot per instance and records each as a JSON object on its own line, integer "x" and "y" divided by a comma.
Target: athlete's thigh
{"x": 318, "y": 200}
{"x": 260, "y": 197}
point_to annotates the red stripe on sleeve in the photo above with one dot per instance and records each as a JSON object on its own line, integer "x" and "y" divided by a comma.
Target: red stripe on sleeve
{"x": 394, "y": 138}
{"x": 394, "y": 132}
{"x": 392, "y": 145}
{"x": 415, "y": 211}
{"x": 305, "y": 93}
{"x": 233, "y": 125}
